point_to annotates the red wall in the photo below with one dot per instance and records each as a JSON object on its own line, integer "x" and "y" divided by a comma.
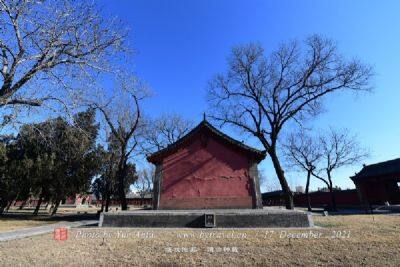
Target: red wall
{"x": 344, "y": 198}
{"x": 131, "y": 201}
{"x": 205, "y": 174}
{"x": 378, "y": 192}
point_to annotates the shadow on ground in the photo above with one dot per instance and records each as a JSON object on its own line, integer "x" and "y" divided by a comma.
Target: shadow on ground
{"x": 44, "y": 217}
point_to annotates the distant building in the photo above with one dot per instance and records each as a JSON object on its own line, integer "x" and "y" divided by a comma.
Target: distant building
{"x": 139, "y": 200}
{"x": 378, "y": 183}
{"x": 79, "y": 200}
{"x": 299, "y": 189}
{"x": 206, "y": 169}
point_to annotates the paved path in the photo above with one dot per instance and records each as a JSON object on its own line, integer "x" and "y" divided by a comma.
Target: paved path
{"x": 26, "y": 232}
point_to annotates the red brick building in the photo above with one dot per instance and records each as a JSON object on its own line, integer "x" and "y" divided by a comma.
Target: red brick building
{"x": 206, "y": 169}
{"x": 379, "y": 183}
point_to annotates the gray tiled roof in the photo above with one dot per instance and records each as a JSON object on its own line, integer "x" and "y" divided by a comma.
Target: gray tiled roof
{"x": 379, "y": 169}
{"x": 206, "y": 126}
{"x": 136, "y": 195}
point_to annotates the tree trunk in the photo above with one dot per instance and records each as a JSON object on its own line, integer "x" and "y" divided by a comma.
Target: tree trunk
{"x": 54, "y": 211}
{"x": 307, "y": 191}
{"x": 36, "y": 211}
{"x": 122, "y": 197}
{"x": 333, "y": 198}
{"x": 121, "y": 173}
{"x": 2, "y": 208}
{"x": 3, "y": 205}
{"x": 107, "y": 193}
{"x": 22, "y": 205}
{"x": 107, "y": 201}
{"x": 102, "y": 205}
{"x": 282, "y": 180}
{"x": 9, "y": 205}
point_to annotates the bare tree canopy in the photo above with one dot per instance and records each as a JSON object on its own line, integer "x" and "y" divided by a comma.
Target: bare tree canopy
{"x": 270, "y": 184}
{"x": 339, "y": 149}
{"x": 320, "y": 155}
{"x": 120, "y": 107}
{"x": 51, "y": 42}
{"x": 144, "y": 183}
{"x": 122, "y": 116}
{"x": 304, "y": 153}
{"x": 163, "y": 131}
{"x": 260, "y": 94}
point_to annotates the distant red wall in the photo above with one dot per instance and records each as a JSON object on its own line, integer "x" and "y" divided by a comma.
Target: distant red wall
{"x": 131, "y": 201}
{"x": 344, "y": 198}
{"x": 205, "y": 174}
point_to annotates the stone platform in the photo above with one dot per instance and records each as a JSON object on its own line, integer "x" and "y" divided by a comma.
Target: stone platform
{"x": 238, "y": 218}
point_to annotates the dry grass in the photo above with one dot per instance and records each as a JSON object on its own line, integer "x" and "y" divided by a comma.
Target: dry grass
{"x": 18, "y": 219}
{"x": 373, "y": 241}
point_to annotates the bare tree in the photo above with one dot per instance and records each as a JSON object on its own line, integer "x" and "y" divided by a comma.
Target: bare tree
{"x": 270, "y": 184}
{"x": 260, "y": 95}
{"x": 144, "y": 183}
{"x": 164, "y": 131}
{"x": 338, "y": 149}
{"x": 303, "y": 153}
{"x": 320, "y": 155}
{"x": 47, "y": 45}
{"x": 122, "y": 115}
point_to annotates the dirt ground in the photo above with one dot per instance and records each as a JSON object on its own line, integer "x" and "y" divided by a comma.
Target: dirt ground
{"x": 350, "y": 240}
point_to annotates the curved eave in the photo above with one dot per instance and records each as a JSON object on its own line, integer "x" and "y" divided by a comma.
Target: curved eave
{"x": 158, "y": 156}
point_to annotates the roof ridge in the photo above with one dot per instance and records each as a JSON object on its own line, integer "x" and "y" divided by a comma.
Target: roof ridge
{"x": 233, "y": 139}
{"x": 378, "y": 169}
{"x": 382, "y": 162}
{"x": 205, "y": 123}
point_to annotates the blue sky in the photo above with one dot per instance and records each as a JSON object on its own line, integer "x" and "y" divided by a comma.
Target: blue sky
{"x": 180, "y": 45}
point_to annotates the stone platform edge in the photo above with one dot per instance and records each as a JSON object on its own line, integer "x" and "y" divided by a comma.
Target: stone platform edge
{"x": 195, "y": 218}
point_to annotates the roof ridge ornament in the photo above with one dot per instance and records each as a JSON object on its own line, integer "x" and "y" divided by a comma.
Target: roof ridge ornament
{"x": 204, "y": 116}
